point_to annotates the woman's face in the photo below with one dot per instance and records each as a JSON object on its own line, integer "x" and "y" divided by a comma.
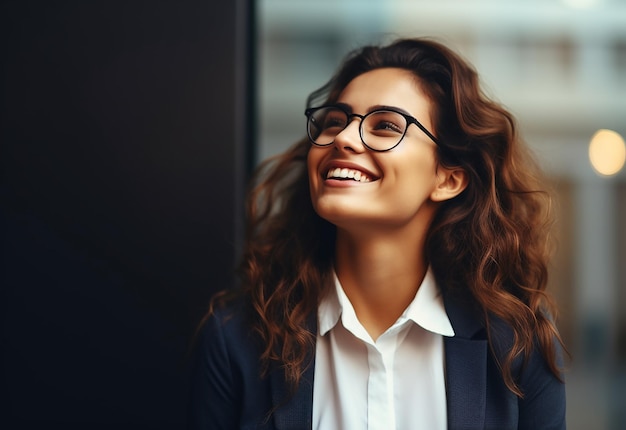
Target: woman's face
{"x": 399, "y": 183}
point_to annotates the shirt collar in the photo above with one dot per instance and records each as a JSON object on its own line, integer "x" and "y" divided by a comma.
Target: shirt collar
{"x": 426, "y": 310}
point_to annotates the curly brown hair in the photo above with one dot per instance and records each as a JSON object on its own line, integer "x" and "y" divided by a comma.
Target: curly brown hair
{"x": 491, "y": 241}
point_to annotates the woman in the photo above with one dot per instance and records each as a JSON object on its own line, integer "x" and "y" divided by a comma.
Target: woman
{"x": 394, "y": 272}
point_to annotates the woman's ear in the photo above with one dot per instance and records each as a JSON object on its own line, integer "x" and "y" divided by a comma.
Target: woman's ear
{"x": 450, "y": 183}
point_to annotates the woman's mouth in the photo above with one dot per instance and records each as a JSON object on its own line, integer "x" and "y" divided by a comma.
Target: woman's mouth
{"x": 345, "y": 174}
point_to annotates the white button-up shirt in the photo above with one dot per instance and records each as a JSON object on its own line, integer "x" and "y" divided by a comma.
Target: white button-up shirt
{"x": 395, "y": 382}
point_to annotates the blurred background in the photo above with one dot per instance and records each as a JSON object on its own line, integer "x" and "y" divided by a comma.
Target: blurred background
{"x": 560, "y": 67}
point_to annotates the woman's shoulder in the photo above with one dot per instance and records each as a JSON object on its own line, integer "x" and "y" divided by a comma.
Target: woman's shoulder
{"x": 231, "y": 316}
{"x": 225, "y": 370}
{"x": 529, "y": 367}
{"x": 227, "y": 331}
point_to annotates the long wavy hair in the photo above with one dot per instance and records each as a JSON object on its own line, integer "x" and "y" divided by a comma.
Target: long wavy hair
{"x": 489, "y": 243}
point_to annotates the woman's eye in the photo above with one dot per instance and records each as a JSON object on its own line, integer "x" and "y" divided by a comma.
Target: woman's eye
{"x": 332, "y": 122}
{"x": 387, "y": 126}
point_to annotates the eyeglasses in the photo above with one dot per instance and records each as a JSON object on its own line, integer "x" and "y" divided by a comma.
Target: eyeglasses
{"x": 380, "y": 130}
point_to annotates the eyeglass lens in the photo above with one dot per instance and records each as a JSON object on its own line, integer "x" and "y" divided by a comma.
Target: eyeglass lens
{"x": 380, "y": 130}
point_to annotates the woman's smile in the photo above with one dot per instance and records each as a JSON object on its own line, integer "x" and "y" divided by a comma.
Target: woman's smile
{"x": 344, "y": 174}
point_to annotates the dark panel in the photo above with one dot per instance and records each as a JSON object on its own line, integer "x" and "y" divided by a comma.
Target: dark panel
{"x": 124, "y": 149}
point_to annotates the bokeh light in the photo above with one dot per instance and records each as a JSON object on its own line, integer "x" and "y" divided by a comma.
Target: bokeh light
{"x": 607, "y": 152}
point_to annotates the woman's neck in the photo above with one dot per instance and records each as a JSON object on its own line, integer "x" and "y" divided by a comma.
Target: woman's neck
{"x": 380, "y": 274}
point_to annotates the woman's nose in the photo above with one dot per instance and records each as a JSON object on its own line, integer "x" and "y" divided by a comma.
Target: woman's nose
{"x": 349, "y": 138}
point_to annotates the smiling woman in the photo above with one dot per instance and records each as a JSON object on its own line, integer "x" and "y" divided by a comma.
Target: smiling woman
{"x": 394, "y": 272}
{"x": 404, "y": 182}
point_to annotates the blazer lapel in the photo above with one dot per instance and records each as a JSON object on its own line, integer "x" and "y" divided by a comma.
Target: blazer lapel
{"x": 466, "y": 368}
{"x": 466, "y": 374}
{"x": 294, "y": 411}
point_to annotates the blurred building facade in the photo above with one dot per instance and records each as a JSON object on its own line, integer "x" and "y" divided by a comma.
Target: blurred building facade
{"x": 560, "y": 67}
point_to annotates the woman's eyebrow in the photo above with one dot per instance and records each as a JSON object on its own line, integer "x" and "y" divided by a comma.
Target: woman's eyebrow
{"x": 349, "y": 109}
{"x": 344, "y": 106}
{"x": 387, "y": 107}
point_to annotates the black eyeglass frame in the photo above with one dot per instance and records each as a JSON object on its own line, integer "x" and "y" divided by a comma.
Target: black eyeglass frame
{"x": 409, "y": 120}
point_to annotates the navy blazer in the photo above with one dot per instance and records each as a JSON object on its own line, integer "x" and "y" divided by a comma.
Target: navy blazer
{"x": 227, "y": 391}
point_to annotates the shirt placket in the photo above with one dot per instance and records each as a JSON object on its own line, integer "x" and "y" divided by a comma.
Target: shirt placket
{"x": 380, "y": 397}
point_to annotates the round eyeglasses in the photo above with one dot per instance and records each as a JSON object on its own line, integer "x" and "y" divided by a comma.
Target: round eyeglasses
{"x": 380, "y": 130}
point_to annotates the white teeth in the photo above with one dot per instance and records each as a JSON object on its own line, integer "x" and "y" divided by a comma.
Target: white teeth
{"x": 347, "y": 174}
